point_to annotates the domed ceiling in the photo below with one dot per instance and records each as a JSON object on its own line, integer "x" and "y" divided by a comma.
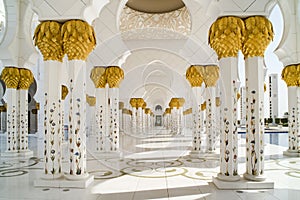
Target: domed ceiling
{"x": 155, "y": 6}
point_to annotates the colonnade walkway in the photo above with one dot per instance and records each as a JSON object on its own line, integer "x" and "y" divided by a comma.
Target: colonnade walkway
{"x": 156, "y": 165}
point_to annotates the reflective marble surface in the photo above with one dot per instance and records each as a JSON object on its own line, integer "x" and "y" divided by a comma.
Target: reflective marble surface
{"x": 156, "y": 165}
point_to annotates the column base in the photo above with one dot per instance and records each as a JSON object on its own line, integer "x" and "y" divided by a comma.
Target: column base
{"x": 26, "y": 153}
{"x": 51, "y": 176}
{"x": 64, "y": 183}
{"x": 196, "y": 152}
{"x": 108, "y": 154}
{"x": 251, "y": 177}
{"x": 291, "y": 153}
{"x": 10, "y": 154}
{"x": 76, "y": 177}
{"x": 242, "y": 184}
{"x": 222, "y": 177}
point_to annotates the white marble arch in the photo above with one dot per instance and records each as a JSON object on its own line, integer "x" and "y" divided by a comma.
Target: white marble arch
{"x": 17, "y": 48}
{"x": 144, "y": 80}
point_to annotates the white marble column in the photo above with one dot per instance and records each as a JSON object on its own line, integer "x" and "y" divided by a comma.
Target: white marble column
{"x": 3, "y": 120}
{"x": 231, "y": 32}
{"x": 139, "y": 120}
{"x": 11, "y": 78}
{"x": 101, "y": 118}
{"x": 144, "y": 121}
{"x": 255, "y": 119}
{"x": 52, "y": 94}
{"x": 134, "y": 120}
{"x": 12, "y": 129}
{"x": 77, "y": 119}
{"x": 114, "y": 119}
{"x": 210, "y": 75}
{"x": 211, "y": 118}
{"x": 257, "y": 38}
{"x": 197, "y": 119}
{"x": 229, "y": 133}
{"x": 52, "y": 128}
{"x": 290, "y": 74}
{"x": 23, "y": 128}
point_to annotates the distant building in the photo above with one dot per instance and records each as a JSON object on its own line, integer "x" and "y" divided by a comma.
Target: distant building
{"x": 273, "y": 96}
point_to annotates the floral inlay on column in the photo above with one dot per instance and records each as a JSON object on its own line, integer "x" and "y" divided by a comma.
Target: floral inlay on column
{"x": 26, "y": 79}
{"x": 99, "y": 79}
{"x": 78, "y": 41}
{"x": 114, "y": 76}
{"x": 258, "y": 35}
{"x": 210, "y": 75}
{"x": 226, "y": 37}
{"x": 48, "y": 39}
{"x": 195, "y": 79}
{"x": 290, "y": 74}
{"x": 11, "y": 77}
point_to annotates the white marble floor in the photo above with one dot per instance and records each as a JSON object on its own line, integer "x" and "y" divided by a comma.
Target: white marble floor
{"x": 154, "y": 166}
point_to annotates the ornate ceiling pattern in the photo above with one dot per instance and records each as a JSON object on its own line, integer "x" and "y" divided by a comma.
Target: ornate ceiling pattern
{"x": 140, "y": 25}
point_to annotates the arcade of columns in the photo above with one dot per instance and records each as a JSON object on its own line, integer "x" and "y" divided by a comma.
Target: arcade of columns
{"x": 76, "y": 39}
{"x": 141, "y": 117}
{"x": 17, "y": 81}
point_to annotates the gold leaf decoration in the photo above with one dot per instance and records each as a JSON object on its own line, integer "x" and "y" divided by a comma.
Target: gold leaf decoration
{"x": 258, "y": 35}
{"x": 114, "y": 75}
{"x": 26, "y": 79}
{"x": 11, "y": 77}
{"x": 290, "y": 74}
{"x": 147, "y": 111}
{"x": 98, "y": 77}
{"x": 133, "y": 102}
{"x": 226, "y": 36}
{"x": 140, "y": 102}
{"x": 193, "y": 76}
{"x": 210, "y": 74}
{"x": 78, "y": 39}
{"x": 47, "y": 37}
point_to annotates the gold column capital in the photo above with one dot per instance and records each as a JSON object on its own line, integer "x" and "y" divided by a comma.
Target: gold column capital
{"x": 98, "y": 77}
{"x": 176, "y": 102}
{"x": 188, "y": 111}
{"x": 47, "y": 37}
{"x": 173, "y": 103}
{"x": 78, "y": 39}
{"x": 133, "y": 102}
{"x": 140, "y": 102}
{"x": 193, "y": 76}
{"x": 64, "y": 92}
{"x": 168, "y": 111}
{"x": 290, "y": 74}
{"x": 258, "y": 35}
{"x": 144, "y": 105}
{"x": 147, "y": 111}
{"x": 26, "y": 79}
{"x": 226, "y": 36}
{"x": 91, "y": 100}
{"x": 121, "y": 105}
{"x": 210, "y": 74}
{"x": 11, "y": 77}
{"x": 114, "y": 75}
{"x": 181, "y": 102}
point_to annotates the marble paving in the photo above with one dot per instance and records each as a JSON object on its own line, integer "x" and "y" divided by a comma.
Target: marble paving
{"x": 156, "y": 165}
